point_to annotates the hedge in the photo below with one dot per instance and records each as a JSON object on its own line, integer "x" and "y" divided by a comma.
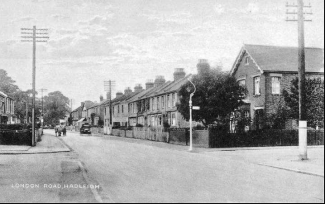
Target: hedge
{"x": 260, "y": 138}
{"x": 15, "y": 134}
{"x": 15, "y": 137}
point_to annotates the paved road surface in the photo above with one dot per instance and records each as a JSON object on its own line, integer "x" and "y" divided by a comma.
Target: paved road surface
{"x": 132, "y": 171}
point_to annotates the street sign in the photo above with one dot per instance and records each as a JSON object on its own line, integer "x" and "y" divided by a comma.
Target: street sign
{"x": 196, "y": 107}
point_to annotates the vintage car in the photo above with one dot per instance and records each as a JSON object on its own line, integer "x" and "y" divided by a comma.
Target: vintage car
{"x": 85, "y": 129}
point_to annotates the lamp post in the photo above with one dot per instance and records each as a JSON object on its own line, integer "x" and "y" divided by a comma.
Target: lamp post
{"x": 190, "y": 105}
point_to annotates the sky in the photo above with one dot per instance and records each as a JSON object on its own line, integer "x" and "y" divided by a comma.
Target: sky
{"x": 131, "y": 41}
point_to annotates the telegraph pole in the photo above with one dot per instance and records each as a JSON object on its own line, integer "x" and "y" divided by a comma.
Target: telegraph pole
{"x": 37, "y": 35}
{"x": 301, "y": 73}
{"x": 108, "y": 85}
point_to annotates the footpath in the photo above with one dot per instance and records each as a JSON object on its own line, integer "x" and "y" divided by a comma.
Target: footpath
{"x": 49, "y": 172}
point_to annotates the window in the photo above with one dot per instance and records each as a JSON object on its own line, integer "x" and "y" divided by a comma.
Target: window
{"x": 157, "y": 103}
{"x": 118, "y": 109}
{"x": 174, "y": 99}
{"x": 153, "y": 121}
{"x": 242, "y": 82}
{"x": 276, "y": 85}
{"x": 162, "y": 102}
{"x": 257, "y": 85}
{"x": 247, "y": 61}
{"x": 122, "y": 108}
{"x": 173, "y": 119}
{"x": 159, "y": 120}
{"x": 168, "y": 101}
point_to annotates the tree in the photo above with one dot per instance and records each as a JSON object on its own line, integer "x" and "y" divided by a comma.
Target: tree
{"x": 23, "y": 97}
{"x": 7, "y": 84}
{"x": 217, "y": 94}
{"x": 314, "y": 101}
{"x": 55, "y": 107}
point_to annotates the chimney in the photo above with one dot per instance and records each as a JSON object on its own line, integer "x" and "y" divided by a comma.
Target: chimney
{"x": 160, "y": 80}
{"x": 127, "y": 90}
{"x": 149, "y": 84}
{"x": 101, "y": 98}
{"x": 119, "y": 94}
{"x": 203, "y": 66}
{"x": 179, "y": 74}
{"x": 82, "y": 104}
{"x": 138, "y": 88}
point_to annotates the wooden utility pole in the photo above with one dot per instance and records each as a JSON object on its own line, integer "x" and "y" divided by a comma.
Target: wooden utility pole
{"x": 301, "y": 73}
{"x": 43, "y": 90}
{"x": 108, "y": 86}
{"x": 34, "y": 34}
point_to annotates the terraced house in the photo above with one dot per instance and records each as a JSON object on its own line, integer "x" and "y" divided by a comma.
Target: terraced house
{"x": 120, "y": 106}
{"x": 156, "y": 107}
{"x": 7, "y": 109}
{"x": 266, "y": 71}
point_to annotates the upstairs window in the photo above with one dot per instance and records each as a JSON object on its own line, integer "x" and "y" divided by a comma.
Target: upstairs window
{"x": 162, "y": 102}
{"x": 174, "y": 99}
{"x": 257, "y": 85}
{"x": 168, "y": 101}
{"x": 246, "y": 60}
{"x": 276, "y": 85}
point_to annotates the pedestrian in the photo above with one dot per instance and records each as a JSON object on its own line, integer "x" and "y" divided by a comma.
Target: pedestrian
{"x": 56, "y": 130}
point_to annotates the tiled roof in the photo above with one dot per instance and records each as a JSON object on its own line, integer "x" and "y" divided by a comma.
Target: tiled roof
{"x": 279, "y": 59}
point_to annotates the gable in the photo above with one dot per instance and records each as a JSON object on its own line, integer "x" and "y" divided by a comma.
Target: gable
{"x": 243, "y": 69}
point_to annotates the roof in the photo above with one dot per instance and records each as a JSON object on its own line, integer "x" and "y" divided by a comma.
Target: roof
{"x": 169, "y": 86}
{"x": 281, "y": 59}
{"x": 93, "y": 105}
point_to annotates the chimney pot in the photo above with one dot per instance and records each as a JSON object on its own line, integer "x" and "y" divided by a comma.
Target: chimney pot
{"x": 179, "y": 74}
{"x": 160, "y": 80}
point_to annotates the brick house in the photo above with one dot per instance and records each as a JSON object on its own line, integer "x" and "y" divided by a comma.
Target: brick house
{"x": 266, "y": 71}
{"x": 120, "y": 104}
{"x": 157, "y": 105}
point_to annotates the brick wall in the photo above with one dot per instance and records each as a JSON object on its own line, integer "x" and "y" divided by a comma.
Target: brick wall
{"x": 272, "y": 101}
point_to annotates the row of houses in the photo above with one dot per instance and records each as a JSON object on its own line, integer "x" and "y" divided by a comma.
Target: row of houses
{"x": 7, "y": 109}
{"x": 264, "y": 70}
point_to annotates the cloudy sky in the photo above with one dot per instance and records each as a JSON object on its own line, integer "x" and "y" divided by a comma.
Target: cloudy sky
{"x": 130, "y": 41}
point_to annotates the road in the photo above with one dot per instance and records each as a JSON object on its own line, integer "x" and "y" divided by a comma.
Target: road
{"x": 130, "y": 170}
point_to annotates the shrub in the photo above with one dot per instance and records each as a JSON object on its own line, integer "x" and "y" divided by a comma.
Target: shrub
{"x": 219, "y": 137}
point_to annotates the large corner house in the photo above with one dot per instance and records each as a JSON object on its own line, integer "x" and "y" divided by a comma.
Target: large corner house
{"x": 266, "y": 71}
{"x": 7, "y": 109}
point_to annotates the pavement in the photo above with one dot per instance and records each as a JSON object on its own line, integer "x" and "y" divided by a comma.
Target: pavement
{"x": 49, "y": 172}
{"x": 49, "y": 144}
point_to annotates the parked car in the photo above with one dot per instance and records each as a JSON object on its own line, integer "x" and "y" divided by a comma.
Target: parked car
{"x": 85, "y": 128}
